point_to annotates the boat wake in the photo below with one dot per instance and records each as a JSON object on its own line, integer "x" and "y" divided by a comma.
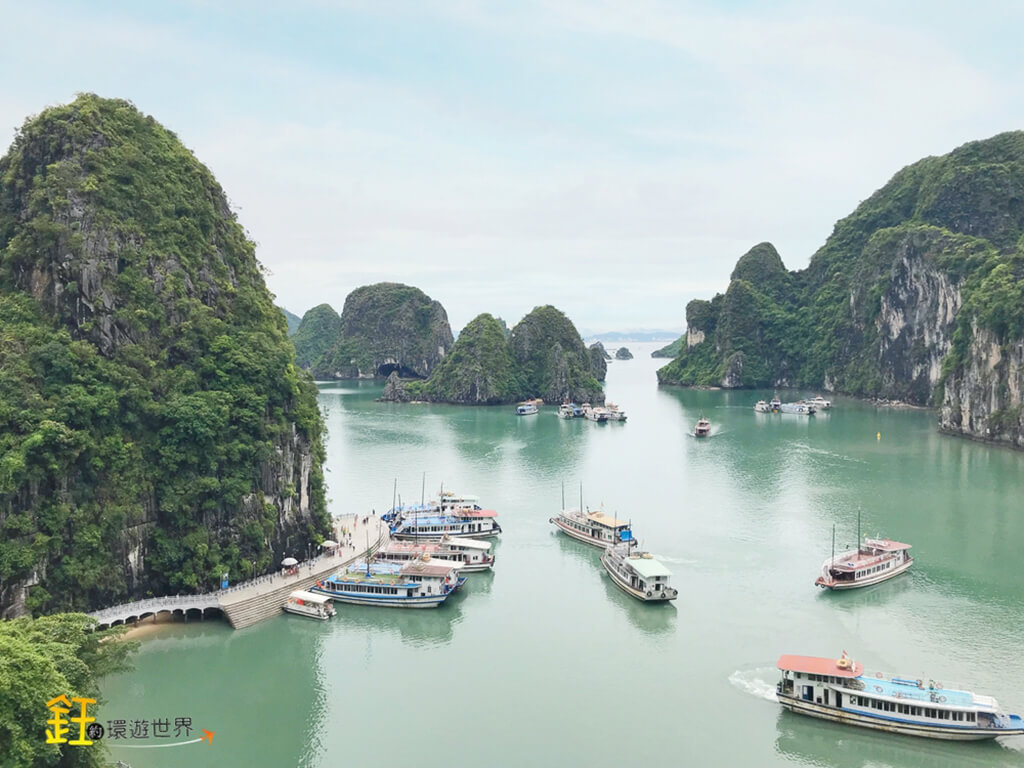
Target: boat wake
{"x": 755, "y": 682}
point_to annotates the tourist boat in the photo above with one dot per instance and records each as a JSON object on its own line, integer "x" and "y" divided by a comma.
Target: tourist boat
{"x": 614, "y": 412}
{"x": 801, "y": 409}
{"x": 703, "y": 428}
{"x": 471, "y": 523}
{"x": 567, "y": 410}
{"x": 775, "y": 404}
{"x": 597, "y": 528}
{"x": 416, "y": 584}
{"x": 526, "y": 409}
{"x": 451, "y": 500}
{"x": 472, "y": 554}
{"x": 304, "y": 603}
{"x": 638, "y": 573}
{"x": 874, "y": 561}
{"x": 762, "y": 407}
{"x": 595, "y": 413}
{"x": 838, "y": 689}
{"x": 820, "y": 402}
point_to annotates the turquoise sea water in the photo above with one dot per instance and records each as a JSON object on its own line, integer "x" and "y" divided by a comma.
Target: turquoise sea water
{"x": 545, "y": 662}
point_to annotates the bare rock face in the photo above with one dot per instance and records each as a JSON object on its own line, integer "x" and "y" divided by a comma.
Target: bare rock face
{"x": 394, "y": 390}
{"x": 623, "y": 353}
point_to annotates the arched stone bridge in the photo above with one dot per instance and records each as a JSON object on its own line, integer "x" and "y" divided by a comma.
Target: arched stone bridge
{"x": 140, "y": 609}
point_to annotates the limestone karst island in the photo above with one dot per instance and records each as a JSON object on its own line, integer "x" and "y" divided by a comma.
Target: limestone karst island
{"x": 646, "y": 378}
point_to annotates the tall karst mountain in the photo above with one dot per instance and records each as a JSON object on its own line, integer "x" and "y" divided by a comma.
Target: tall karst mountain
{"x": 918, "y": 296}
{"x": 543, "y": 356}
{"x": 155, "y": 432}
{"x": 383, "y": 327}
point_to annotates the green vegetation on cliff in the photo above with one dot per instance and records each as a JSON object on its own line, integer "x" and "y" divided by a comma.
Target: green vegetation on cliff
{"x": 891, "y": 304}
{"x": 543, "y": 356}
{"x": 317, "y": 333}
{"x": 385, "y": 327}
{"x": 479, "y": 369}
{"x": 154, "y": 429}
{"x": 41, "y": 659}
{"x": 672, "y": 350}
{"x": 292, "y": 320}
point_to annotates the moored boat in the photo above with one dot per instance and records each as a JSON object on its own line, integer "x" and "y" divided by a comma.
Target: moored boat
{"x": 595, "y": 413}
{"x": 526, "y": 409}
{"x": 874, "y": 561}
{"x": 762, "y": 407}
{"x": 703, "y": 428}
{"x": 638, "y": 573}
{"x": 597, "y": 528}
{"x": 838, "y": 690}
{"x": 415, "y": 584}
{"x": 567, "y": 411}
{"x": 820, "y": 403}
{"x": 303, "y": 603}
{"x": 615, "y": 413}
{"x": 472, "y": 554}
{"x": 472, "y": 523}
{"x": 800, "y": 408}
{"x": 775, "y": 405}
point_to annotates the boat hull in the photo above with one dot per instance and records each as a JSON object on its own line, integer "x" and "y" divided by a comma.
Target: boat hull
{"x": 387, "y": 601}
{"x": 655, "y": 597}
{"x": 317, "y": 616}
{"x": 877, "y": 578}
{"x": 924, "y": 730}
{"x": 434, "y": 538}
{"x": 578, "y": 535}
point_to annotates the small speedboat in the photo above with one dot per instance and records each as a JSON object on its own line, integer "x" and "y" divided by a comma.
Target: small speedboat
{"x": 762, "y": 406}
{"x": 526, "y": 409}
{"x": 304, "y": 603}
{"x": 703, "y": 428}
{"x": 820, "y": 402}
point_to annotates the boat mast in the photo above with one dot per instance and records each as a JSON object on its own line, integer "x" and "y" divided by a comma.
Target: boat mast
{"x": 394, "y": 494}
{"x": 832, "y": 562}
{"x": 858, "y": 530}
{"x": 581, "y": 497}
{"x": 423, "y": 490}
{"x": 563, "y": 495}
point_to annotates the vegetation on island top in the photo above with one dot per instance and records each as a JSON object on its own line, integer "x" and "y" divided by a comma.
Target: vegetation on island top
{"x": 147, "y": 384}
{"x": 956, "y": 221}
{"x": 383, "y": 327}
{"x": 41, "y": 660}
{"x": 543, "y": 356}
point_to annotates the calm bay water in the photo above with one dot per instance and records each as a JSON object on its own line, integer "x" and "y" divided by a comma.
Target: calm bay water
{"x": 545, "y": 662}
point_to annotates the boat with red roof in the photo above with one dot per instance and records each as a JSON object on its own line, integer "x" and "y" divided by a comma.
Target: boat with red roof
{"x": 839, "y": 690}
{"x": 874, "y": 561}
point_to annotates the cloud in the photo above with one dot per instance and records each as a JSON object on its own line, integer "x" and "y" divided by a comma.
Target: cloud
{"x": 613, "y": 158}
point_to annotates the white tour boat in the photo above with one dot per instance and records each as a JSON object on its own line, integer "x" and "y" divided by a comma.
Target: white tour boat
{"x": 762, "y": 407}
{"x": 703, "y": 428}
{"x": 838, "y": 690}
{"x": 638, "y": 573}
{"x": 615, "y": 413}
{"x": 801, "y": 409}
{"x": 874, "y": 561}
{"x": 526, "y": 409}
{"x": 456, "y": 523}
{"x": 820, "y": 402}
{"x": 775, "y": 404}
{"x": 415, "y": 584}
{"x": 595, "y": 413}
{"x": 472, "y": 554}
{"x": 305, "y": 603}
{"x": 597, "y": 528}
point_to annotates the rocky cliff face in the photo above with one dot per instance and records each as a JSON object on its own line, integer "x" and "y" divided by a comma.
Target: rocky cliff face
{"x": 911, "y": 298}
{"x": 155, "y": 432}
{"x": 599, "y": 358}
{"x": 623, "y": 353}
{"x": 982, "y": 398}
{"x": 553, "y": 361}
{"x": 387, "y": 327}
{"x": 318, "y": 331}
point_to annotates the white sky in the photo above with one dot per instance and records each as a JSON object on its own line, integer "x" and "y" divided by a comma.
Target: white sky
{"x": 613, "y": 158}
